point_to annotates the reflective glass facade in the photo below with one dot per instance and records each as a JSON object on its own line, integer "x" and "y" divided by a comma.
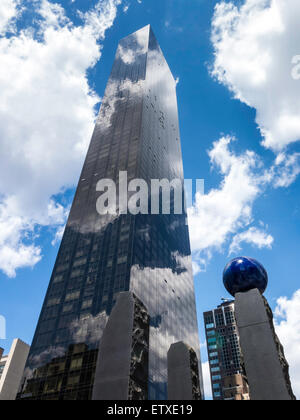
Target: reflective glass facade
{"x": 136, "y": 131}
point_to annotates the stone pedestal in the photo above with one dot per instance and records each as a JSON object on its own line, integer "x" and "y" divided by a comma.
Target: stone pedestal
{"x": 122, "y": 366}
{"x": 266, "y": 367}
{"x": 183, "y": 373}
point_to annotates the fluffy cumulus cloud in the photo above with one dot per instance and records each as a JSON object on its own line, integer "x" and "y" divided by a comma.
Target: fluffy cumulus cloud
{"x": 8, "y": 12}
{"x": 225, "y": 210}
{"x": 287, "y": 322}
{"x": 47, "y": 114}
{"x": 285, "y": 170}
{"x": 18, "y": 234}
{"x": 254, "y": 236}
{"x": 257, "y": 56}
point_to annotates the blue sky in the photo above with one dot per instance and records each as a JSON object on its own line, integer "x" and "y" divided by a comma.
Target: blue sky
{"x": 233, "y": 60}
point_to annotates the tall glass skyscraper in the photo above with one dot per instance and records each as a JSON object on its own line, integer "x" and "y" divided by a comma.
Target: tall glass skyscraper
{"x": 101, "y": 255}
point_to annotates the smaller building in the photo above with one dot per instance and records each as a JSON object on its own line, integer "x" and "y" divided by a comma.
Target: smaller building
{"x": 12, "y": 368}
{"x": 235, "y": 388}
{"x": 224, "y": 354}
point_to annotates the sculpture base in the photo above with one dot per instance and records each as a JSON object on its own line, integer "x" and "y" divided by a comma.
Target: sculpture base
{"x": 265, "y": 364}
{"x": 122, "y": 366}
{"x": 183, "y": 373}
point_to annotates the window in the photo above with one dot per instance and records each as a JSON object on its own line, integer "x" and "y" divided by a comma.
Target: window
{"x": 229, "y": 317}
{"x": 209, "y": 326}
{"x": 216, "y": 378}
{"x": 73, "y": 380}
{"x": 80, "y": 262}
{"x": 53, "y": 302}
{"x": 216, "y": 369}
{"x": 58, "y": 279}
{"x": 214, "y": 347}
{"x": 76, "y": 364}
{"x": 87, "y": 304}
{"x": 216, "y": 386}
{"x": 72, "y": 296}
{"x": 220, "y": 320}
{"x": 75, "y": 273}
{"x": 61, "y": 268}
{"x": 211, "y": 333}
{"x": 67, "y": 308}
{"x": 217, "y": 394}
{"x": 122, "y": 260}
{"x": 214, "y": 362}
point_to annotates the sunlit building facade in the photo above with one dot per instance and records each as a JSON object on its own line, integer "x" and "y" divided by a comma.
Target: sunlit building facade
{"x": 11, "y": 369}
{"x": 101, "y": 255}
{"x": 224, "y": 353}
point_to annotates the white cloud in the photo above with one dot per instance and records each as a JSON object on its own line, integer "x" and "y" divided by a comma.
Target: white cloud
{"x": 46, "y": 120}
{"x": 253, "y": 236}
{"x": 58, "y": 235}
{"x": 140, "y": 44}
{"x": 198, "y": 265}
{"x": 13, "y": 252}
{"x": 287, "y": 323}
{"x": 285, "y": 170}
{"x": 228, "y": 209}
{"x": 18, "y": 234}
{"x": 101, "y": 17}
{"x": 224, "y": 214}
{"x": 8, "y": 11}
{"x": 89, "y": 329}
{"x": 53, "y": 14}
{"x": 254, "y": 44}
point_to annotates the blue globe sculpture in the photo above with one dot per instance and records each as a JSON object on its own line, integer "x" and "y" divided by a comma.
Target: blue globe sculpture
{"x": 244, "y": 274}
